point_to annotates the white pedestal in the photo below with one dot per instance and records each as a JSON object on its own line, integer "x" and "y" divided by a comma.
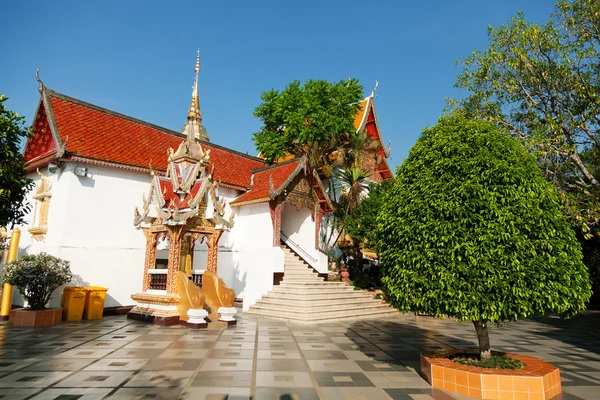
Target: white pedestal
{"x": 227, "y": 313}
{"x": 196, "y": 316}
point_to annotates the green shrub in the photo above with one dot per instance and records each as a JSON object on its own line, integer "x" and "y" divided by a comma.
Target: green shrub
{"x": 495, "y": 361}
{"x": 36, "y": 277}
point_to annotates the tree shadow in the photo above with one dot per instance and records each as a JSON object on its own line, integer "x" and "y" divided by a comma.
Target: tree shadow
{"x": 399, "y": 344}
{"x": 581, "y": 332}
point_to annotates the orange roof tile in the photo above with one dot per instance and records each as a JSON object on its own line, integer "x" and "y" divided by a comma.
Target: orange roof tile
{"x": 261, "y": 182}
{"x": 95, "y": 133}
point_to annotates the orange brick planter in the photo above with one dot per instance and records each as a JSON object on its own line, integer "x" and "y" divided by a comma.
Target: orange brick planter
{"x": 538, "y": 380}
{"x": 23, "y": 317}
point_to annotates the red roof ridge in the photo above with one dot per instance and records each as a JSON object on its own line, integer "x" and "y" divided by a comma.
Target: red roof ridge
{"x": 266, "y": 167}
{"x": 82, "y": 103}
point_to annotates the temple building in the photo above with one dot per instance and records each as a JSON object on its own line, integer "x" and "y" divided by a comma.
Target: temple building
{"x": 130, "y": 204}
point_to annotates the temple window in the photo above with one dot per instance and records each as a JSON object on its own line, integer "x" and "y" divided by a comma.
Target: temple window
{"x": 39, "y": 226}
{"x": 162, "y": 252}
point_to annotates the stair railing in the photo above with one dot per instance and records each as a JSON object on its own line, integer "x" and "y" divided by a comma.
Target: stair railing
{"x": 299, "y": 250}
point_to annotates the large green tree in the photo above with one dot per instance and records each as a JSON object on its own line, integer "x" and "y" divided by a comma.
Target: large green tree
{"x": 471, "y": 229}
{"x": 14, "y": 184}
{"x": 541, "y": 83}
{"x": 315, "y": 118}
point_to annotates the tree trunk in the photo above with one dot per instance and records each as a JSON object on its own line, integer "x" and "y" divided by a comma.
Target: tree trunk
{"x": 483, "y": 337}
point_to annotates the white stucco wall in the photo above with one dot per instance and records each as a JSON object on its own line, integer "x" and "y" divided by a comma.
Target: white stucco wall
{"x": 249, "y": 253}
{"x": 298, "y": 225}
{"x": 90, "y": 223}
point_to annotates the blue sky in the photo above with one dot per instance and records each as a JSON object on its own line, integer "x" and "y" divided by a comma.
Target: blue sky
{"x": 137, "y": 57}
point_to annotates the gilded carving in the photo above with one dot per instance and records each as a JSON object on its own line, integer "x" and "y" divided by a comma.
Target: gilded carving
{"x": 150, "y": 257}
{"x": 42, "y": 196}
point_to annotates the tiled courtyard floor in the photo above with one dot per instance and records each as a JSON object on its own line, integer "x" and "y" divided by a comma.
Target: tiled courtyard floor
{"x": 265, "y": 359}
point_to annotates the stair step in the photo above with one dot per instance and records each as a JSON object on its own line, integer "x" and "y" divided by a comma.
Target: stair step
{"x": 324, "y": 317}
{"x": 317, "y": 296}
{"x": 301, "y": 294}
{"x": 312, "y": 283}
{"x": 369, "y": 305}
{"x": 343, "y": 302}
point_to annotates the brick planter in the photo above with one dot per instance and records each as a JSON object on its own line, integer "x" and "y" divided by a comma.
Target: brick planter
{"x": 538, "y": 380}
{"x": 24, "y": 317}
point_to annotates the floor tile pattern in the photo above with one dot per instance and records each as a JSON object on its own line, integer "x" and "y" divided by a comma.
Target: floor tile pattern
{"x": 264, "y": 359}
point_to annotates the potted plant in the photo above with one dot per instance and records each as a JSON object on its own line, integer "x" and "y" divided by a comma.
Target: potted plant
{"x": 345, "y": 274}
{"x": 36, "y": 277}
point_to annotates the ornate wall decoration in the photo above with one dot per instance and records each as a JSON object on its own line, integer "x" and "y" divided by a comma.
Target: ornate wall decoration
{"x": 276, "y": 208}
{"x": 300, "y": 201}
{"x": 318, "y": 216}
{"x": 42, "y": 196}
{"x": 150, "y": 257}
{"x": 175, "y": 233}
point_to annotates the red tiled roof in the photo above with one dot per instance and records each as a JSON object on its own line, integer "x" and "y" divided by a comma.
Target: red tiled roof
{"x": 261, "y": 182}
{"x": 92, "y": 132}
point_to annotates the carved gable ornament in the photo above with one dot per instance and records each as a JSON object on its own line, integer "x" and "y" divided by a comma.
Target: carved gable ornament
{"x": 184, "y": 194}
{"x": 42, "y": 196}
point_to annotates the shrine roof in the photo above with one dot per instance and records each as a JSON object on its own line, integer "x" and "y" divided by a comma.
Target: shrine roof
{"x": 86, "y": 132}
{"x": 262, "y": 178}
{"x": 269, "y": 182}
{"x": 166, "y": 189}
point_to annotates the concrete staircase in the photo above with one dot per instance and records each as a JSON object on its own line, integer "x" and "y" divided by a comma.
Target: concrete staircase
{"x": 303, "y": 296}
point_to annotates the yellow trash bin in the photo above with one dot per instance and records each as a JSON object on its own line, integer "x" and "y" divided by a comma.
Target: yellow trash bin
{"x": 94, "y": 302}
{"x": 72, "y": 303}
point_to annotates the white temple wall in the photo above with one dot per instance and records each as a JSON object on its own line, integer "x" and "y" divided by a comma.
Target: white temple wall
{"x": 90, "y": 223}
{"x": 299, "y": 226}
{"x": 247, "y": 257}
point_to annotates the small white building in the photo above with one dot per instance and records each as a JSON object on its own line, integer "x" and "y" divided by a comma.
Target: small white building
{"x": 92, "y": 167}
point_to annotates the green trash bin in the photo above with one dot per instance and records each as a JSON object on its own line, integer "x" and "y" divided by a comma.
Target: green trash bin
{"x": 94, "y": 302}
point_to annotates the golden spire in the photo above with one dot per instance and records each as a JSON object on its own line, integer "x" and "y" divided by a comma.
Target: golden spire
{"x": 194, "y": 119}
{"x": 194, "y": 114}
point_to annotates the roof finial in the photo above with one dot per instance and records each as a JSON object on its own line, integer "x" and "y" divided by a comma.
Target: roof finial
{"x": 194, "y": 128}
{"x": 37, "y": 78}
{"x": 375, "y": 88}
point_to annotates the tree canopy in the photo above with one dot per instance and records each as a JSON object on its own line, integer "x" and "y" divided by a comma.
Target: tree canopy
{"x": 315, "y": 118}
{"x": 541, "y": 83}
{"x": 14, "y": 184}
{"x": 471, "y": 229}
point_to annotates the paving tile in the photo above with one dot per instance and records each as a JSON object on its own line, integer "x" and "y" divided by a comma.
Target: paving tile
{"x": 150, "y": 345}
{"x": 283, "y": 379}
{"x": 231, "y": 354}
{"x": 102, "y": 379}
{"x": 216, "y": 393}
{"x": 334, "y": 365}
{"x": 67, "y": 394}
{"x": 213, "y": 364}
{"x": 280, "y": 365}
{"x": 59, "y": 364}
{"x": 152, "y": 393}
{"x": 19, "y": 394}
{"x": 357, "y": 393}
{"x": 84, "y": 353}
{"x": 164, "y": 379}
{"x": 184, "y": 353}
{"x": 31, "y": 379}
{"x": 171, "y": 364}
{"x": 136, "y": 353}
{"x": 287, "y": 393}
{"x": 223, "y": 378}
{"x": 117, "y": 364}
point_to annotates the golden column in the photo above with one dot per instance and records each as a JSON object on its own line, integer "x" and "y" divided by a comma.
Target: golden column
{"x": 13, "y": 252}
